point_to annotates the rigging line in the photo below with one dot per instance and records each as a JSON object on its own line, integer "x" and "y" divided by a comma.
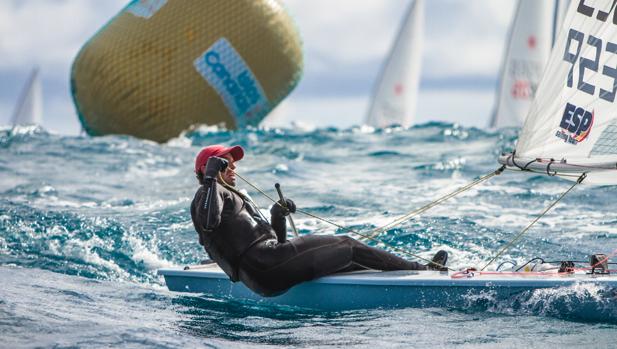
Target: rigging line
{"x": 421, "y": 210}
{"x": 368, "y": 237}
{"x": 371, "y": 235}
{"x": 512, "y": 158}
{"x": 520, "y": 235}
{"x": 346, "y": 229}
{"x": 434, "y": 203}
{"x": 259, "y": 190}
{"x": 245, "y": 197}
{"x": 399, "y": 220}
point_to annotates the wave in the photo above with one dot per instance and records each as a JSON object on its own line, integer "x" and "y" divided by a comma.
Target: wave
{"x": 581, "y": 302}
{"x": 117, "y": 208}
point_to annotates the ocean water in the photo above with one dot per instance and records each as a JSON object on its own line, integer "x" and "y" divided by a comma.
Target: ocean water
{"x": 86, "y": 222}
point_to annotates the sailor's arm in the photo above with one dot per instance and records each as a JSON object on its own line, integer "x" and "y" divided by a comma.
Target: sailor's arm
{"x": 209, "y": 206}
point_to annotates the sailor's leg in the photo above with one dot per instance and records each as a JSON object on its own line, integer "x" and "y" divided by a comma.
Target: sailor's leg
{"x": 376, "y": 258}
{"x": 270, "y": 270}
{"x": 329, "y": 253}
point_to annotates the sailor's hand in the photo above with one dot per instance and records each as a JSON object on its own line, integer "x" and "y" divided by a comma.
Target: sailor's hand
{"x": 214, "y": 166}
{"x": 281, "y": 209}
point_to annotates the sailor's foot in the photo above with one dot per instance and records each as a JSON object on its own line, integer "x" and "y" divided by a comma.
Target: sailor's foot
{"x": 439, "y": 261}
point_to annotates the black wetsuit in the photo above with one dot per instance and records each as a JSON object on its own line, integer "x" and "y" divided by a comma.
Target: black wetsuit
{"x": 249, "y": 249}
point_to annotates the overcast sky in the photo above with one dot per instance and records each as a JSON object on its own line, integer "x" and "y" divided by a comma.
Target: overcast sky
{"x": 345, "y": 43}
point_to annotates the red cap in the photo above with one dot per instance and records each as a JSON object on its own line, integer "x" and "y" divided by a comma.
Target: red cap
{"x": 235, "y": 151}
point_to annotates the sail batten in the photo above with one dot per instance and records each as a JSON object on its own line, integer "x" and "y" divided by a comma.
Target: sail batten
{"x": 396, "y": 92}
{"x": 572, "y": 123}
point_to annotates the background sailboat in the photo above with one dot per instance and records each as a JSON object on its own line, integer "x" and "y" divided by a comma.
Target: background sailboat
{"x": 571, "y": 129}
{"x": 396, "y": 93}
{"x": 561, "y": 9}
{"x": 29, "y": 107}
{"x": 528, "y": 49}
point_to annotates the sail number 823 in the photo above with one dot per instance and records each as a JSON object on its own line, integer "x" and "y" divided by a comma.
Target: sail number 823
{"x": 577, "y": 38}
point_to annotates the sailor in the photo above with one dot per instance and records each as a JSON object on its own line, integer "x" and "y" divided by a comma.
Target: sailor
{"x": 249, "y": 249}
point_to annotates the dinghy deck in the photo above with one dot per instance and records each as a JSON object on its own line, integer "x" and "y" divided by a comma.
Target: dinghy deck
{"x": 377, "y": 289}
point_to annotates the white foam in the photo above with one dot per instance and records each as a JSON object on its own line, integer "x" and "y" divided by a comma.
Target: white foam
{"x": 364, "y": 129}
{"x": 578, "y": 291}
{"x": 157, "y": 204}
{"x": 84, "y": 250}
{"x": 182, "y": 141}
{"x": 4, "y": 247}
{"x": 147, "y": 254}
{"x": 181, "y": 226}
{"x": 56, "y": 202}
{"x": 27, "y": 130}
{"x": 280, "y": 168}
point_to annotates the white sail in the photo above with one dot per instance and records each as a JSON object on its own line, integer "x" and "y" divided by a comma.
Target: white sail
{"x": 29, "y": 109}
{"x": 528, "y": 49}
{"x": 396, "y": 93}
{"x": 572, "y": 125}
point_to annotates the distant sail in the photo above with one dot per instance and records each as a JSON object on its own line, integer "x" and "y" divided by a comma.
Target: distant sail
{"x": 29, "y": 107}
{"x": 395, "y": 96}
{"x": 572, "y": 124}
{"x": 529, "y": 46}
{"x": 561, "y": 8}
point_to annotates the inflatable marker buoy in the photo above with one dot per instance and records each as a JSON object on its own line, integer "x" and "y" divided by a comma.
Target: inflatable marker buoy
{"x": 161, "y": 66}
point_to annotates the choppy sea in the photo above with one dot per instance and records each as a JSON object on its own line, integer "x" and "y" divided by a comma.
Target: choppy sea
{"x": 86, "y": 222}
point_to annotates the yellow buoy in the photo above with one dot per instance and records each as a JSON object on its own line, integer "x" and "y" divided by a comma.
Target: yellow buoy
{"x": 161, "y": 66}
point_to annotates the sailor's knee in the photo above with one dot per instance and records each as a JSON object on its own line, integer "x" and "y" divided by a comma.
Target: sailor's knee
{"x": 347, "y": 240}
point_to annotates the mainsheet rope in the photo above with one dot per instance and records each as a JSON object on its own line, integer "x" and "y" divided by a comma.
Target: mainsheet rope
{"x": 434, "y": 203}
{"x": 371, "y": 235}
{"x": 346, "y": 229}
{"x": 542, "y": 214}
